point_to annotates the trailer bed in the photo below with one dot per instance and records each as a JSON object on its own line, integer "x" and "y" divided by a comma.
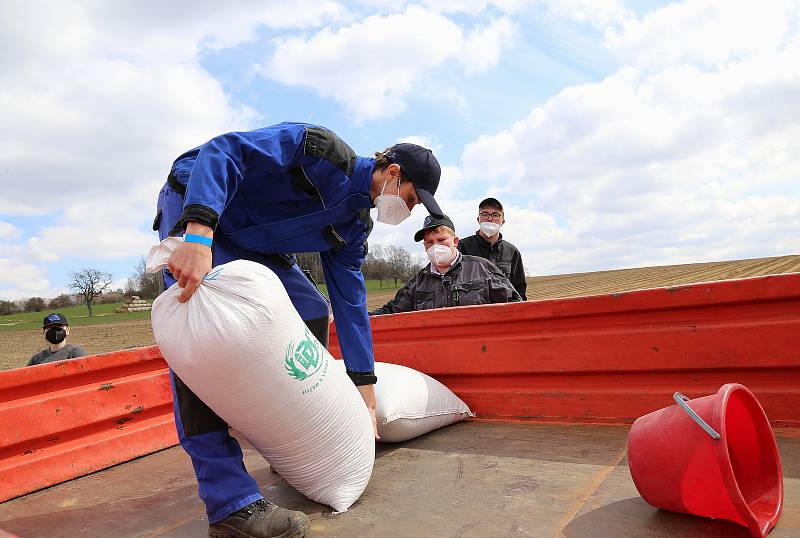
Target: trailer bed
{"x": 476, "y": 478}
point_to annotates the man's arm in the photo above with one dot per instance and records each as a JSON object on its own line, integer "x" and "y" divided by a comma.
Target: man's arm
{"x": 518, "y": 275}
{"x": 348, "y": 293}
{"x": 225, "y": 161}
{"x": 220, "y": 166}
{"x": 500, "y": 288}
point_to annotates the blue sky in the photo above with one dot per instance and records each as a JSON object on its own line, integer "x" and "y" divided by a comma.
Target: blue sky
{"x": 617, "y": 134}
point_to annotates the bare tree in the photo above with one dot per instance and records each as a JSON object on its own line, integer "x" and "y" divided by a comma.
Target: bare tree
{"x": 7, "y": 307}
{"x": 311, "y": 262}
{"x": 374, "y": 266}
{"x": 62, "y": 301}
{"x": 90, "y": 283}
{"x": 398, "y": 261}
{"x": 148, "y": 285}
{"x": 35, "y": 304}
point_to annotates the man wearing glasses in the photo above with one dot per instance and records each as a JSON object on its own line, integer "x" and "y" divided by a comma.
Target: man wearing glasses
{"x": 488, "y": 243}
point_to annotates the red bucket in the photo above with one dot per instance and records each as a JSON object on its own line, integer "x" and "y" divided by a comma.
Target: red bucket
{"x": 714, "y": 456}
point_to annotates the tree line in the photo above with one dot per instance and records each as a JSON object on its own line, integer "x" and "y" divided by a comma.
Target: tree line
{"x": 386, "y": 264}
{"x": 91, "y": 287}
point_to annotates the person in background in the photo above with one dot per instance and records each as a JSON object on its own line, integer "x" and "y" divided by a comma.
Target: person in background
{"x": 55, "y": 330}
{"x": 488, "y": 243}
{"x": 450, "y": 279}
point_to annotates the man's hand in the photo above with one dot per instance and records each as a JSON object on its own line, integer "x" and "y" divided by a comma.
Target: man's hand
{"x": 368, "y": 393}
{"x": 190, "y": 262}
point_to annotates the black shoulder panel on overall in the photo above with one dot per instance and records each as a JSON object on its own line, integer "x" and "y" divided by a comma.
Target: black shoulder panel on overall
{"x": 324, "y": 144}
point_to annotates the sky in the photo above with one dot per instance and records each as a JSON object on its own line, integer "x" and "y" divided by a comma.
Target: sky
{"x": 616, "y": 134}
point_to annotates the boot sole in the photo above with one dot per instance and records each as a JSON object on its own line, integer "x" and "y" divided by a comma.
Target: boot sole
{"x": 230, "y": 532}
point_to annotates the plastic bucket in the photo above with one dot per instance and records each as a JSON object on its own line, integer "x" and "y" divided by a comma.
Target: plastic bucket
{"x": 713, "y": 456}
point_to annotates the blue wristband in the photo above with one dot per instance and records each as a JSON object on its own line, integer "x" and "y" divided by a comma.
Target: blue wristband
{"x": 194, "y": 238}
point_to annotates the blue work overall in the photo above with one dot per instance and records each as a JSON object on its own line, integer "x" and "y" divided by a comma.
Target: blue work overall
{"x": 224, "y": 484}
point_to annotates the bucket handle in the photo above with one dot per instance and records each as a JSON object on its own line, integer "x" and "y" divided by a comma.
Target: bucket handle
{"x": 681, "y": 400}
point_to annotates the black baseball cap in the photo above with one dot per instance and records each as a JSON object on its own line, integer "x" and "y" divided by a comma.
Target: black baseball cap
{"x": 422, "y": 168}
{"x": 433, "y": 222}
{"x": 491, "y": 202}
{"x": 54, "y": 319}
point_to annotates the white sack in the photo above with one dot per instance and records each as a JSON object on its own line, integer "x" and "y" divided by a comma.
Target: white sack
{"x": 410, "y": 403}
{"x": 240, "y": 345}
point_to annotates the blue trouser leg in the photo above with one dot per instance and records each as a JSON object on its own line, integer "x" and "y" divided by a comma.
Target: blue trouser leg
{"x": 224, "y": 484}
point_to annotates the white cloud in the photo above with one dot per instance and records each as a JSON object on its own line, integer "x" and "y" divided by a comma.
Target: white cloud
{"x": 598, "y": 13}
{"x": 20, "y": 279}
{"x": 467, "y": 7}
{"x": 97, "y": 99}
{"x": 483, "y": 45}
{"x": 9, "y": 232}
{"x": 671, "y": 166}
{"x": 703, "y": 32}
{"x": 371, "y": 66}
{"x": 425, "y": 140}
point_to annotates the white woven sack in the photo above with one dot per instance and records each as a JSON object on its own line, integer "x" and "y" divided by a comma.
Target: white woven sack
{"x": 240, "y": 345}
{"x": 410, "y": 403}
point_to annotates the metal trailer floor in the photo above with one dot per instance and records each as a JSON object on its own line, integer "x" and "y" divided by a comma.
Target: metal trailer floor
{"x": 473, "y": 479}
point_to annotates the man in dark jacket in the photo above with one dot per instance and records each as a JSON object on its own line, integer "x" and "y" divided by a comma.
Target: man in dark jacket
{"x": 450, "y": 279}
{"x": 488, "y": 243}
{"x": 260, "y": 195}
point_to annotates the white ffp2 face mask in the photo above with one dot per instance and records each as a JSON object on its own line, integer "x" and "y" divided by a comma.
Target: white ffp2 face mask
{"x": 439, "y": 255}
{"x": 392, "y": 209}
{"x": 489, "y": 228}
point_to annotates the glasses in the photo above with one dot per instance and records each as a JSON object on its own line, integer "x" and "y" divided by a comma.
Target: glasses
{"x": 486, "y": 215}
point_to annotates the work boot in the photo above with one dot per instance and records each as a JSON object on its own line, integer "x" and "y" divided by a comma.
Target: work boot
{"x": 261, "y": 519}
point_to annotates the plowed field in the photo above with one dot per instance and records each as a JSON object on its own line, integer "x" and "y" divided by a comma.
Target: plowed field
{"x": 16, "y": 347}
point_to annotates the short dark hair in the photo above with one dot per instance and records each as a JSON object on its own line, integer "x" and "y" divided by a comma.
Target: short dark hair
{"x": 382, "y": 162}
{"x": 490, "y": 203}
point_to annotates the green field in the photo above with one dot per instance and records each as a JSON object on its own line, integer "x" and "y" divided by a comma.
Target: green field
{"x": 76, "y": 315}
{"x": 372, "y": 285}
{"x": 104, "y": 313}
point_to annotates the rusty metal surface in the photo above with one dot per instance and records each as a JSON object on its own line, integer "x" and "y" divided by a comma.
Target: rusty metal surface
{"x": 473, "y": 479}
{"x": 609, "y": 358}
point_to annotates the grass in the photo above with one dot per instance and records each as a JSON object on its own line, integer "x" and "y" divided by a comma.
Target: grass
{"x": 104, "y": 313}
{"x": 76, "y": 315}
{"x": 372, "y": 286}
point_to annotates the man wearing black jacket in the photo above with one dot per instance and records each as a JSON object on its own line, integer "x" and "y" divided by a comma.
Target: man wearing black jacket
{"x": 488, "y": 243}
{"x": 451, "y": 279}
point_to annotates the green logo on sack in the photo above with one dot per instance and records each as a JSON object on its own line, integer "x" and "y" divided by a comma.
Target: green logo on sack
{"x": 304, "y": 359}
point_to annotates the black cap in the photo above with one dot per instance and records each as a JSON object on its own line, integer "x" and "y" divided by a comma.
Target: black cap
{"x": 433, "y": 222}
{"x": 54, "y": 319}
{"x": 422, "y": 168}
{"x": 491, "y": 202}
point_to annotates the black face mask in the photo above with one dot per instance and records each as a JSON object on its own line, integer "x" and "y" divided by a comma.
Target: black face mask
{"x": 55, "y": 335}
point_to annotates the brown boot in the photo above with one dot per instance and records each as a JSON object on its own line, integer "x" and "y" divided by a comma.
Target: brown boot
{"x": 261, "y": 519}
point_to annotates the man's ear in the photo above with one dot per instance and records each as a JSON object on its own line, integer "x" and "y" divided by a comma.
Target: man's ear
{"x": 393, "y": 170}
{"x": 455, "y": 240}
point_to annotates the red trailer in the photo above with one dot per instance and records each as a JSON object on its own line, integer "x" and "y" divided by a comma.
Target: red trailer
{"x": 555, "y": 384}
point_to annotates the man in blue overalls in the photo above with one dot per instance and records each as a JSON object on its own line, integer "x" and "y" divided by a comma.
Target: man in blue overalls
{"x": 261, "y": 195}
